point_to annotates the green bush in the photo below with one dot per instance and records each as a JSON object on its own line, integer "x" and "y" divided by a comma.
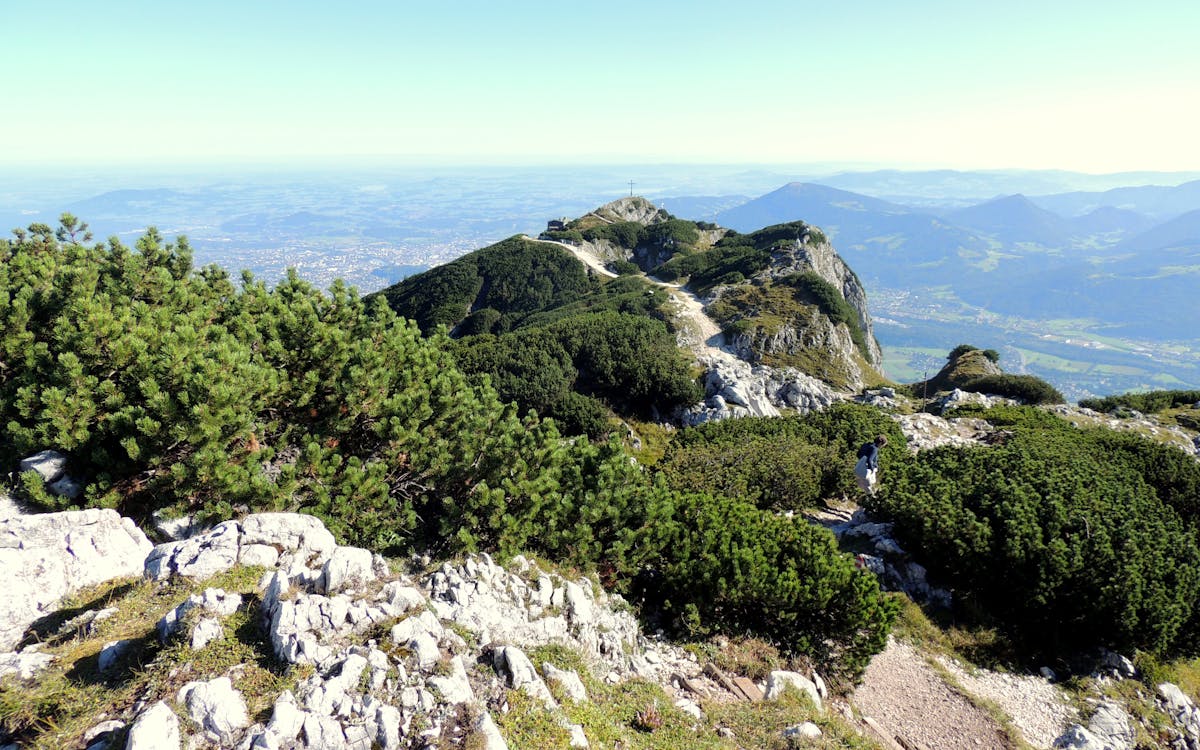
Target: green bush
{"x": 1149, "y": 402}
{"x": 623, "y": 267}
{"x": 172, "y": 387}
{"x": 1027, "y": 389}
{"x": 517, "y": 277}
{"x": 726, "y": 565}
{"x": 1055, "y": 537}
{"x": 782, "y": 463}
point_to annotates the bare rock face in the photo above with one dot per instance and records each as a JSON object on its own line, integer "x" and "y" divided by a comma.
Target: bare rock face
{"x": 264, "y": 539}
{"x": 735, "y": 388}
{"x": 634, "y": 208}
{"x": 48, "y": 556}
{"x": 156, "y": 728}
{"x": 820, "y": 257}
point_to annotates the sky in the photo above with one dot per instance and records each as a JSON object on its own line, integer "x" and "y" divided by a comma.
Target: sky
{"x": 1090, "y": 86}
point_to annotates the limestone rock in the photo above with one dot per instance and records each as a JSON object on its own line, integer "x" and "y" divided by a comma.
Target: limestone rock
{"x": 212, "y": 601}
{"x": 805, "y": 731}
{"x": 779, "y": 681}
{"x": 567, "y": 680}
{"x": 50, "y": 465}
{"x": 216, "y": 708}
{"x": 25, "y": 665}
{"x": 522, "y": 675}
{"x": 199, "y": 557}
{"x": 347, "y": 568}
{"x": 286, "y": 719}
{"x": 486, "y": 728}
{"x": 44, "y": 557}
{"x": 455, "y": 687}
{"x": 156, "y": 728}
{"x": 295, "y": 533}
{"x": 1113, "y": 726}
{"x": 112, "y": 652}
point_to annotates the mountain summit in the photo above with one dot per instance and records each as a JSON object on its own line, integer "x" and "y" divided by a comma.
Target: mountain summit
{"x": 775, "y": 318}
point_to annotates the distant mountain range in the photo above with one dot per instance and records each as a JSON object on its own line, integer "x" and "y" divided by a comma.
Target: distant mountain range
{"x": 1014, "y": 255}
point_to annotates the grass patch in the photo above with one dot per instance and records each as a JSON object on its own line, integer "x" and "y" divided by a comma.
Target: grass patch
{"x": 55, "y": 709}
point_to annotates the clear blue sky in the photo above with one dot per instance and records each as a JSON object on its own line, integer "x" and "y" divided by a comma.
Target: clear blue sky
{"x": 1093, "y": 86}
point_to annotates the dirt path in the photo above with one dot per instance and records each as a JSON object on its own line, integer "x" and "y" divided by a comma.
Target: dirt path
{"x": 697, "y": 332}
{"x": 911, "y": 703}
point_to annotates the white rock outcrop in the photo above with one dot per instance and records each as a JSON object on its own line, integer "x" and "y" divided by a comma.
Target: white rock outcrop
{"x": 45, "y": 557}
{"x": 216, "y": 707}
{"x": 156, "y": 728}
{"x": 265, "y": 539}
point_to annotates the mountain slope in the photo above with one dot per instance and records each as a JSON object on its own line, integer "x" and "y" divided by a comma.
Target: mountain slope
{"x": 1157, "y": 201}
{"x": 1015, "y": 219}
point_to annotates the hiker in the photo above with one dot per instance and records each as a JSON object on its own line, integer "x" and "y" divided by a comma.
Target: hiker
{"x": 866, "y": 471}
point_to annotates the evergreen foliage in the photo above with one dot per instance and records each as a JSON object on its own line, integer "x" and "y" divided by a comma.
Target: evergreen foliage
{"x": 1068, "y": 539}
{"x": 172, "y": 387}
{"x": 1150, "y": 402}
{"x": 779, "y": 463}
{"x": 629, "y": 361}
{"x": 516, "y": 277}
{"x": 1028, "y": 389}
{"x": 726, "y": 564}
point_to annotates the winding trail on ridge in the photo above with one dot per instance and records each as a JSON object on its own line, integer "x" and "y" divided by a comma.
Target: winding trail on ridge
{"x": 912, "y": 705}
{"x": 697, "y": 331}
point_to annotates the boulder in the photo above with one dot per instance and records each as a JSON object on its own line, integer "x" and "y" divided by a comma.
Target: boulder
{"x": 522, "y": 675}
{"x": 112, "y": 652}
{"x": 454, "y": 687}
{"x": 216, "y": 708}
{"x": 805, "y": 731}
{"x": 486, "y": 729}
{"x": 567, "y": 680}
{"x": 47, "y": 556}
{"x": 295, "y": 533}
{"x": 347, "y": 568}
{"x": 1078, "y": 738}
{"x": 156, "y": 728}
{"x": 50, "y": 465}
{"x": 212, "y": 601}
{"x": 1113, "y": 726}
{"x": 199, "y": 557}
{"x": 779, "y": 681}
{"x": 25, "y": 665}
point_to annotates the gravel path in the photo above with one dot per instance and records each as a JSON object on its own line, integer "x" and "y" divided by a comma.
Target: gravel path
{"x": 912, "y": 703}
{"x": 1036, "y": 707}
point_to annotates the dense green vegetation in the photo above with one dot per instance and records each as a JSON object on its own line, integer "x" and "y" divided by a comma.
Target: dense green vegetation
{"x": 961, "y": 349}
{"x": 970, "y": 368}
{"x": 515, "y": 277}
{"x": 570, "y": 346}
{"x": 175, "y": 388}
{"x": 1064, "y": 538}
{"x": 628, "y": 361}
{"x": 1150, "y": 402}
{"x": 1028, "y": 389}
{"x": 784, "y": 463}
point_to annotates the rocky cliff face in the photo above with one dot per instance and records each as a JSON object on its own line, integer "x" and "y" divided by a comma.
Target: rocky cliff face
{"x": 817, "y": 255}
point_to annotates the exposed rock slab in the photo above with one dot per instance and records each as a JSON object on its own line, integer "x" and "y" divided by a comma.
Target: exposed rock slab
{"x": 45, "y": 557}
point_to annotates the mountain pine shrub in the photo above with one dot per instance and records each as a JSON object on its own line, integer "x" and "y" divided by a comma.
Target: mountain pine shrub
{"x": 1066, "y": 538}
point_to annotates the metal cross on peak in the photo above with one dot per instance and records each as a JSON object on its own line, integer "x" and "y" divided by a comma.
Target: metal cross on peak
{"x": 631, "y": 183}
